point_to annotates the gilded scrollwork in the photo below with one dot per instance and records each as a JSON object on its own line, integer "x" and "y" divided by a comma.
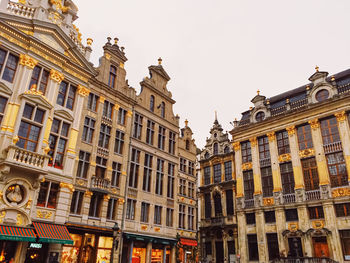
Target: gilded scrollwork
{"x": 315, "y": 124}
{"x": 284, "y": 158}
{"x": 291, "y": 130}
{"x": 236, "y": 146}
{"x": 27, "y": 61}
{"x": 253, "y": 141}
{"x": 247, "y": 166}
{"x": 271, "y": 136}
{"x": 268, "y": 201}
{"x": 306, "y": 153}
{"x": 341, "y": 192}
{"x": 56, "y": 76}
{"x": 83, "y": 91}
{"x": 341, "y": 116}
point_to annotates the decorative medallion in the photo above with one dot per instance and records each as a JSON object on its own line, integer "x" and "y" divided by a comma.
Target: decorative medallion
{"x": 271, "y": 136}
{"x": 253, "y": 141}
{"x": 43, "y": 214}
{"x": 291, "y": 130}
{"x": 236, "y": 146}
{"x": 68, "y": 186}
{"x": 27, "y": 61}
{"x": 144, "y": 227}
{"x": 341, "y": 192}
{"x": 268, "y": 201}
{"x": 306, "y": 153}
{"x": 247, "y": 166}
{"x": 284, "y": 158}
{"x": 293, "y": 227}
{"x": 341, "y": 116}
{"x": 56, "y": 76}
{"x": 318, "y": 224}
{"x": 157, "y": 229}
{"x": 15, "y": 193}
{"x": 315, "y": 124}
{"x": 80, "y": 182}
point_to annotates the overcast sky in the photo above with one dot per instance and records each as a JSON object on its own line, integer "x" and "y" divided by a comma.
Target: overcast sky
{"x": 219, "y": 52}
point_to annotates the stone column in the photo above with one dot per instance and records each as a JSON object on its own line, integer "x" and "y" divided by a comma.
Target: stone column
{"x": 86, "y": 206}
{"x": 344, "y": 133}
{"x": 223, "y": 203}
{"x": 132, "y": 250}
{"x": 256, "y": 171}
{"x": 280, "y": 227}
{"x": 239, "y": 174}
{"x": 304, "y": 225}
{"x": 149, "y": 252}
{"x": 242, "y": 236}
{"x": 55, "y": 80}
{"x": 224, "y": 243}
{"x": 63, "y": 202}
{"x": 104, "y": 208}
{"x": 261, "y": 236}
{"x": 173, "y": 254}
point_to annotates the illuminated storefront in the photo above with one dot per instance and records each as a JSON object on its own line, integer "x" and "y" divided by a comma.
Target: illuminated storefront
{"x": 187, "y": 250}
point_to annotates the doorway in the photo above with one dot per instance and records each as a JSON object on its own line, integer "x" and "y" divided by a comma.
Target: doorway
{"x": 320, "y": 247}
{"x": 295, "y": 247}
{"x": 219, "y": 251}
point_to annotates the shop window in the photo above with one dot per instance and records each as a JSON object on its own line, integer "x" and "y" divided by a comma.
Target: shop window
{"x": 150, "y": 132}
{"x": 130, "y": 209}
{"x": 229, "y": 202}
{"x": 96, "y": 205}
{"x": 88, "y": 129}
{"x": 157, "y": 215}
{"x": 104, "y": 249}
{"x": 190, "y": 168}
{"x": 119, "y": 142}
{"x": 77, "y": 201}
{"x": 93, "y": 101}
{"x": 101, "y": 167}
{"x": 287, "y": 177}
{"x": 134, "y": 168}
{"x": 216, "y": 149}
{"x": 183, "y": 166}
{"x": 248, "y": 180}
{"x": 304, "y": 137}
{"x": 10, "y": 61}
{"x": 66, "y": 95}
{"x": 169, "y": 217}
{"x": 30, "y": 127}
{"x": 250, "y": 218}
{"x": 171, "y": 180}
{"x": 182, "y": 214}
{"x": 172, "y": 142}
{"x": 282, "y": 142}
{"x": 3, "y": 102}
{"x": 83, "y": 164}
{"x": 161, "y": 138}
{"x": 105, "y": 135}
{"x": 270, "y": 216}
{"x": 345, "y": 242}
{"x": 137, "y": 126}
{"x": 217, "y": 173}
{"x": 329, "y": 130}
{"x": 151, "y": 103}
{"x": 159, "y": 177}
{"x": 190, "y": 190}
{"x": 337, "y": 169}
{"x": 246, "y": 152}
{"x": 291, "y": 215}
{"x": 310, "y": 172}
{"x": 228, "y": 170}
{"x": 107, "y": 109}
{"x": 207, "y": 175}
{"x": 190, "y": 217}
{"x": 144, "y": 212}
{"x": 207, "y": 201}
{"x": 217, "y": 204}
{"x": 40, "y": 78}
{"x": 182, "y": 187}
{"x": 57, "y": 142}
{"x": 112, "y": 76}
{"x": 272, "y": 244}
{"x": 253, "y": 247}
{"x": 342, "y": 209}
{"x": 112, "y": 209}
{"x": 121, "y": 116}
{"x": 316, "y": 212}
{"x": 48, "y": 194}
{"x": 116, "y": 173}
{"x": 267, "y": 181}
{"x": 264, "y": 150}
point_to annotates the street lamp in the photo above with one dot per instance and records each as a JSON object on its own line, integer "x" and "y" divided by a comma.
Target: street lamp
{"x": 115, "y": 243}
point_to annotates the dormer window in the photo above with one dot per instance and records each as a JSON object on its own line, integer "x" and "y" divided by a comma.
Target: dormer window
{"x": 215, "y": 135}
{"x": 322, "y": 95}
{"x": 260, "y": 116}
{"x": 162, "y": 109}
{"x": 151, "y": 103}
{"x": 216, "y": 148}
{"x": 112, "y": 76}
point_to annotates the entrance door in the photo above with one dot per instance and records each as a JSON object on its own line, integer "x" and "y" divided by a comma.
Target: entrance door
{"x": 320, "y": 247}
{"x": 219, "y": 251}
{"x": 295, "y": 247}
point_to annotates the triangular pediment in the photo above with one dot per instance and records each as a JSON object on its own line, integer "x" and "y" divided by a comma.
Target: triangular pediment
{"x": 64, "y": 114}
{"x": 4, "y": 89}
{"x": 37, "y": 98}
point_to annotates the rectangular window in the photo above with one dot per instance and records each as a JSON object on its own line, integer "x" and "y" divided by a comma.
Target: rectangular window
{"x": 160, "y": 176}
{"x": 310, "y": 174}
{"x": 246, "y": 152}
{"x": 30, "y": 127}
{"x": 342, "y": 209}
{"x": 11, "y": 65}
{"x": 150, "y": 132}
{"x": 144, "y": 212}
{"x": 282, "y": 142}
{"x": 57, "y": 142}
{"x": 169, "y": 217}
{"x": 345, "y": 242}
{"x": 88, "y": 130}
{"x": 190, "y": 222}
{"x": 40, "y": 78}
{"x": 250, "y": 218}
{"x": 116, "y": 173}
{"x": 287, "y": 177}
{"x": 130, "y": 209}
{"x": 272, "y": 244}
{"x": 190, "y": 190}
{"x": 83, "y": 165}
{"x": 190, "y": 168}
{"x": 121, "y": 116}
{"x": 48, "y": 194}
{"x": 137, "y": 126}
{"x": 291, "y": 215}
{"x": 329, "y": 131}
{"x": 253, "y": 247}
{"x": 337, "y": 169}
{"x": 96, "y": 205}
{"x": 107, "y": 110}
{"x": 157, "y": 215}
{"x": 171, "y": 180}
{"x": 77, "y": 201}
{"x": 182, "y": 215}
{"x": 304, "y": 137}
{"x": 112, "y": 209}
{"x": 172, "y": 142}
{"x": 316, "y": 212}
{"x": 105, "y": 135}
{"x": 161, "y": 137}
{"x": 147, "y": 173}
{"x": 119, "y": 142}
{"x": 217, "y": 173}
{"x": 270, "y": 216}
{"x": 264, "y": 150}
{"x": 207, "y": 175}
{"x": 228, "y": 171}
{"x": 66, "y": 95}
{"x": 182, "y": 186}
{"x": 229, "y": 202}
{"x": 92, "y": 102}
{"x": 267, "y": 181}
{"x": 183, "y": 166}
{"x": 101, "y": 167}
{"x": 207, "y": 202}
{"x": 248, "y": 180}
{"x": 134, "y": 168}
{"x": 3, "y": 102}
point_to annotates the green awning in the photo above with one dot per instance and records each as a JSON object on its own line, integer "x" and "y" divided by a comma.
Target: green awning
{"x": 13, "y": 233}
{"x": 156, "y": 240}
{"x": 50, "y": 233}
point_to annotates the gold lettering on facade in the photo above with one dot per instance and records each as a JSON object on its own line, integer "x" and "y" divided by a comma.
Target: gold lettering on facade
{"x": 315, "y": 124}
{"x": 83, "y": 91}
{"x": 236, "y": 146}
{"x": 27, "y": 61}
{"x": 341, "y": 116}
{"x": 56, "y": 76}
{"x": 271, "y": 136}
{"x": 291, "y": 130}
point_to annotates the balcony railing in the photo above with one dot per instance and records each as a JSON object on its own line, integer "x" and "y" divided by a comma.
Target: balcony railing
{"x": 102, "y": 151}
{"x": 100, "y": 183}
{"x": 279, "y": 110}
{"x": 298, "y": 104}
{"x": 313, "y": 195}
{"x": 249, "y": 203}
{"x": 332, "y": 147}
{"x": 344, "y": 88}
{"x": 289, "y": 198}
{"x": 20, "y": 10}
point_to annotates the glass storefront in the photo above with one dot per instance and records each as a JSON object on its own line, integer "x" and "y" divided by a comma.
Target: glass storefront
{"x": 104, "y": 249}
{"x": 139, "y": 255}
{"x": 157, "y": 256}
{"x": 70, "y": 253}
{"x": 36, "y": 252}
{"x": 8, "y": 251}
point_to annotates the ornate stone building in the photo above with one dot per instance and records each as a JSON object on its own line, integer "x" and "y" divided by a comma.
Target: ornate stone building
{"x": 218, "y": 226}
{"x": 292, "y": 172}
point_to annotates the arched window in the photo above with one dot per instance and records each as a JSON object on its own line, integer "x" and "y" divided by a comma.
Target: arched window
{"x": 151, "y": 103}
{"x": 216, "y": 148}
{"x": 187, "y": 145}
{"x": 322, "y": 95}
{"x": 260, "y": 116}
{"x": 217, "y": 204}
{"x": 162, "y": 110}
{"x": 112, "y": 76}
{"x": 227, "y": 149}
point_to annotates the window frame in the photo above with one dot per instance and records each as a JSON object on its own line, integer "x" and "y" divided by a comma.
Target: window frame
{"x": 66, "y": 94}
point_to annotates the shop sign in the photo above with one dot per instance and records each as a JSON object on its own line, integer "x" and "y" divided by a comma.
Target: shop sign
{"x": 35, "y": 245}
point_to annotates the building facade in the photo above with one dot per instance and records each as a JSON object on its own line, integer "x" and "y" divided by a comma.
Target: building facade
{"x": 218, "y": 225}
{"x": 292, "y": 171}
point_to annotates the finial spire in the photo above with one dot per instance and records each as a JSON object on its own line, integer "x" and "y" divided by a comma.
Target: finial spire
{"x": 258, "y": 92}
{"x": 317, "y": 68}
{"x": 186, "y": 123}
{"x": 160, "y": 61}
{"x": 216, "y": 116}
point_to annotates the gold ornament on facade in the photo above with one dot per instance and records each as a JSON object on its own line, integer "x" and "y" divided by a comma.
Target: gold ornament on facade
{"x": 129, "y": 113}
{"x": 318, "y": 224}
{"x": 102, "y": 99}
{"x": 29, "y": 203}
{"x": 341, "y": 116}
{"x": 157, "y": 229}
{"x": 88, "y": 193}
{"x": 78, "y": 32}
{"x": 43, "y": 214}
{"x": 19, "y": 221}
{"x": 93, "y": 163}
{"x": 333, "y": 78}
{"x": 144, "y": 227}
{"x": 2, "y": 216}
{"x": 236, "y": 146}
{"x": 121, "y": 65}
{"x": 107, "y": 56}
{"x": 271, "y": 136}
{"x": 56, "y": 76}
{"x": 23, "y": 2}
{"x": 114, "y": 190}
{"x": 68, "y": 186}
{"x": 15, "y": 139}
{"x": 80, "y": 182}
{"x": 116, "y": 107}
{"x": 306, "y": 153}
{"x": 341, "y": 192}
{"x": 253, "y": 141}
{"x": 47, "y": 149}
{"x": 284, "y": 158}
{"x": 315, "y": 124}
{"x": 27, "y": 61}
{"x": 293, "y": 227}
{"x": 89, "y": 41}
{"x": 121, "y": 201}
{"x": 291, "y": 130}
{"x": 58, "y": 4}
{"x": 106, "y": 197}
{"x": 247, "y": 166}
{"x": 83, "y": 91}
{"x": 268, "y": 201}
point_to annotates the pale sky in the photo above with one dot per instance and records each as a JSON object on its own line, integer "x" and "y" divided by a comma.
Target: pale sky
{"x": 219, "y": 52}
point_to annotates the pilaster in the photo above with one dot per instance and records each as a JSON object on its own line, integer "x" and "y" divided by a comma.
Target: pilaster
{"x": 304, "y": 225}
{"x": 63, "y": 202}
{"x": 280, "y": 227}
{"x": 296, "y": 163}
{"x": 239, "y": 174}
{"x": 242, "y": 236}
{"x": 277, "y": 184}
{"x": 261, "y": 235}
{"x": 256, "y": 166}
{"x": 344, "y": 133}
